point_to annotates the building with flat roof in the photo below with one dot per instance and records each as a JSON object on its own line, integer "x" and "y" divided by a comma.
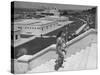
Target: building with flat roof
{"x": 39, "y": 26}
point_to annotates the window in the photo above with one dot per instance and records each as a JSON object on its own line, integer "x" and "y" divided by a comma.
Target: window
{"x": 42, "y": 28}
{"x": 19, "y": 27}
{"x": 38, "y": 28}
{"x": 16, "y": 37}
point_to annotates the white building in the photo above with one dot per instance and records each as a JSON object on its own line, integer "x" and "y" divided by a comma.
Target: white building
{"x": 39, "y": 26}
{"x": 49, "y": 11}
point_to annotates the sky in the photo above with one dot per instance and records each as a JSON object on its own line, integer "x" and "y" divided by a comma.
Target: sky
{"x": 19, "y": 4}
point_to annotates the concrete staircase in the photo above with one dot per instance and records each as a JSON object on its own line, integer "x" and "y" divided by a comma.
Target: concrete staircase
{"x": 85, "y": 59}
{"x": 81, "y": 54}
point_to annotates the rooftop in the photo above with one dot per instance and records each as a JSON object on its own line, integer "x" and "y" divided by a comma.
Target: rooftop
{"x": 41, "y": 21}
{"x": 32, "y": 21}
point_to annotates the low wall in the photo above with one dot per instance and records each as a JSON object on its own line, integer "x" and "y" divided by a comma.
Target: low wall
{"x": 26, "y": 63}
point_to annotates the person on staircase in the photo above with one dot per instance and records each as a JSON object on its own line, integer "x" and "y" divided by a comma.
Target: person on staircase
{"x": 60, "y": 47}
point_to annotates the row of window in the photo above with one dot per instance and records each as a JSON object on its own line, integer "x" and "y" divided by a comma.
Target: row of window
{"x": 36, "y": 27}
{"x": 32, "y": 28}
{"x": 29, "y": 27}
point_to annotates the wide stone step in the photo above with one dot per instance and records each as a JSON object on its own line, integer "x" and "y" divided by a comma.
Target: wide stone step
{"x": 82, "y": 60}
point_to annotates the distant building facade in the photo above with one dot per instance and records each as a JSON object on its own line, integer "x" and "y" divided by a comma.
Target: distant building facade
{"x": 53, "y": 11}
{"x": 39, "y": 26}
